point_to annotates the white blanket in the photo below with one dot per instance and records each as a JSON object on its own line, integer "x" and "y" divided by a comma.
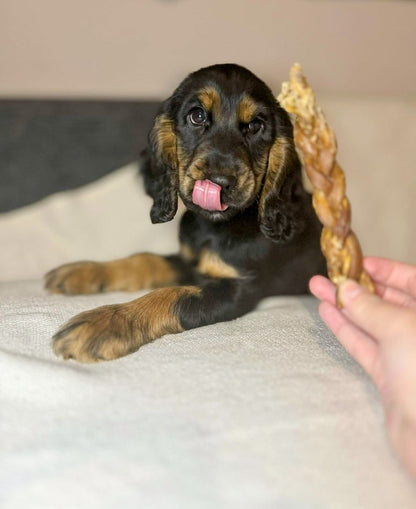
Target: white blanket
{"x": 266, "y": 411}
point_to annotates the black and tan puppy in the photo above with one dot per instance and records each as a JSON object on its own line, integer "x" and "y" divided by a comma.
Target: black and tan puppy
{"x": 225, "y": 146}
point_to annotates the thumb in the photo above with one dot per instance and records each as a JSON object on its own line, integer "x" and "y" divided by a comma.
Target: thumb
{"x": 380, "y": 319}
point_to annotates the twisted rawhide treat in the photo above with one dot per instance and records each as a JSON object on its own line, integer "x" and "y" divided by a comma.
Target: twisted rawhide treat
{"x": 317, "y": 147}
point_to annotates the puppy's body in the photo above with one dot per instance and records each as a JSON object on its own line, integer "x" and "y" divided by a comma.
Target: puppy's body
{"x": 224, "y": 145}
{"x": 239, "y": 251}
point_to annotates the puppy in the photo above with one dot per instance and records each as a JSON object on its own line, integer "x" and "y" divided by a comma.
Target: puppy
{"x": 223, "y": 145}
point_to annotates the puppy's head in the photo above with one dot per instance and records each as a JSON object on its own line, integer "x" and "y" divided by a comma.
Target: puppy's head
{"x": 223, "y": 143}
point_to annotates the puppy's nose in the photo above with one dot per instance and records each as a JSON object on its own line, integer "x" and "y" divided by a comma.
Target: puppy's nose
{"x": 225, "y": 181}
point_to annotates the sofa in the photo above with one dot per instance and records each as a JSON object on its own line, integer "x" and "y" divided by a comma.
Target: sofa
{"x": 266, "y": 411}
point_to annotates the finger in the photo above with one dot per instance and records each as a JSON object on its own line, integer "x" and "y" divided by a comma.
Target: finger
{"x": 356, "y": 342}
{"x": 401, "y": 276}
{"x": 394, "y": 296}
{"x": 382, "y": 320}
{"x": 322, "y": 288}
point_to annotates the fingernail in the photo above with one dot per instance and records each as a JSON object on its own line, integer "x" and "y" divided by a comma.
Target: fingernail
{"x": 348, "y": 290}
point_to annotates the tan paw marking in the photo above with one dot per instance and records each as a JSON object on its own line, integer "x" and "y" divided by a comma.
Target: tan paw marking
{"x": 78, "y": 278}
{"x": 104, "y": 333}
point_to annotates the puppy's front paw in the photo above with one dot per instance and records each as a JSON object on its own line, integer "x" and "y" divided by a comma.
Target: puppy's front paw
{"x": 112, "y": 331}
{"x": 78, "y": 278}
{"x": 103, "y": 333}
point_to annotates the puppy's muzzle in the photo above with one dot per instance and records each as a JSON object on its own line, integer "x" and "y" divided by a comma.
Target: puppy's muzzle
{"x": 215, "y": 188}
{"x": 208, "y": 195}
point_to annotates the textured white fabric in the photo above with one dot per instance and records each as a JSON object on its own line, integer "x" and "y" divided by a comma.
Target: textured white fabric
{"x": 266, "y": 411}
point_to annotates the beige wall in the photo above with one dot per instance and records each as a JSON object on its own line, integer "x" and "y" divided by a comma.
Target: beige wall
{"x": 143, "y": 48}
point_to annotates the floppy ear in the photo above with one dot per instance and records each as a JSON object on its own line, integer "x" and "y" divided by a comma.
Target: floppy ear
{"x": 282, "y": 193}
{"x": 160, "y": 169}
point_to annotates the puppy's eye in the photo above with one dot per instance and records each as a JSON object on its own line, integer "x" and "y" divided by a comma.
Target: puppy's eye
{"x": 254, "y": 126}
{"x": 198, "y": 116}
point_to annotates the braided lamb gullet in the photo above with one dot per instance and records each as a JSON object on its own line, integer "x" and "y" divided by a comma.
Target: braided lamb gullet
{"x": 317, "y": 147}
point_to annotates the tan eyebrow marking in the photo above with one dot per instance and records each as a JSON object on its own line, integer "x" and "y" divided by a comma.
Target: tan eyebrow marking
{"x": 246, "y": 109}
{"x": 210, "y": 100}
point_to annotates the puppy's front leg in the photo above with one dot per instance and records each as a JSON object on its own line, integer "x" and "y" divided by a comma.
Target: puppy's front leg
{"x": 110, "y": 332}
{"x": 143, "y": 270}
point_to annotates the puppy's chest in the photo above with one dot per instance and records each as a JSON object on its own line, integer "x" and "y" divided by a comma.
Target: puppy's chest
{"x": 211, "y": 260}
{"x": 221, "y": 252}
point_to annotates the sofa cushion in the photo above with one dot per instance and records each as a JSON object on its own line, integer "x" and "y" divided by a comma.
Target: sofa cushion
{"x": 47, "y": 146}
{"x": 106, "y": 219}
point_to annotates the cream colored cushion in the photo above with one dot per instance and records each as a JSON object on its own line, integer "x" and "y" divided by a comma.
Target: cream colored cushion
{"x": 106, "y": 219}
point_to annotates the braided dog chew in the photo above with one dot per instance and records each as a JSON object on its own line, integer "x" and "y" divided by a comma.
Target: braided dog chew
{"x": 316, "y": 144}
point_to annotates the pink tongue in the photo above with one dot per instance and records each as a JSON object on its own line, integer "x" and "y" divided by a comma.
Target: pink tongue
{"x": 207, "y": 195}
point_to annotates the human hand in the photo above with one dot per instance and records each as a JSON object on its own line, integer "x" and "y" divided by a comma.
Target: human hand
{"x": 379, "y": 332}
